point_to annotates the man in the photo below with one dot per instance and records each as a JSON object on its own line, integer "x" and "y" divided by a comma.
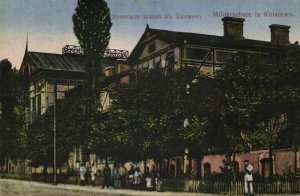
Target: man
{"x": 106, "y": 176}
{"x": 82, "y": 171}
{"x": 130, "y": 176}
{"x": 248, "y": 178}
{"x": 122, "y": 174}
{"x": 93, "y": 174}
{"x": 116, "y": 176}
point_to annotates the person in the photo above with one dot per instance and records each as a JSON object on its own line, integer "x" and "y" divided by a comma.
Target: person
{"x": 149, "y": 184}
{"x": 106, "y": 176}
{"x": 93, "y": 174}
{"x": 137, "y": 176}
{"x": 122, "y": 174}
{"x": 130, "y": 176}
{"x": 158, "y": 182}
{"x": 116, "y": 177}
{"x": 248, "y": 178}
{"x": 82, "y": 171}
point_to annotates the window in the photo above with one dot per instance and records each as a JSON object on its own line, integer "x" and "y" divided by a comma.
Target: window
{"x": 151, "y": 64}
{"x": 170, "y": 57}
{"x": 145, "y": 65}
{"x": 39, "y": 105}
{"x": 0, "y": 111}
{"x": 224, "y": 56}
{"x": 151, "y": 47}
{"x": 207, "y": 169}
{"x": 157, "y": 65}
{"x": 196, "y": 53}
{"x": 210, "y": 58}
{"x": 33, "y": 101}
{"x": 236, "y": 166}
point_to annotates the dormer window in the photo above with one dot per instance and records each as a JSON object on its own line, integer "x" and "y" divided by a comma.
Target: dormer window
{"x": 151, "y": 47}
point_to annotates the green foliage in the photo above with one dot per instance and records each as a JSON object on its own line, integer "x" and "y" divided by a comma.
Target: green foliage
{"x": 72, "y": 128}
{"x": 258, "y": 90}
{"x": 147, "y": 116}
{"x": 92, "y": 25}
{"x": 195, "y": 136}
{"x": 239, "y": 109}
{"x": 10, "y": 111}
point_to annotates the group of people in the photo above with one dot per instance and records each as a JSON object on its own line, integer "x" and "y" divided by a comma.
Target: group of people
{"x": 83, "y": 172}
{"x": 119, "y": 177}
{"x": 133, "y": 178}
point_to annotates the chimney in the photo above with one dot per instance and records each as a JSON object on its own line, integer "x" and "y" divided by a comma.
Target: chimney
{"x": 233, "y": 27}
{"x": 280, "y": 34}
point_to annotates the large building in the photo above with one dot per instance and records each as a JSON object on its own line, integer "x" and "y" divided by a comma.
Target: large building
{"x": 51, "y": 75}
{"x": 159, "y": 48}
{"x": 171, "y": 50}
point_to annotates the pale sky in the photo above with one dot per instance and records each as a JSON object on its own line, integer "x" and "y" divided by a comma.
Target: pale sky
{"x": 49, "y": 22}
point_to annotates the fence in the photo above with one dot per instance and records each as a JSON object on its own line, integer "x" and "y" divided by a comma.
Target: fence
{"x": 229, "y": 187}
{"x": 186, "y": 185}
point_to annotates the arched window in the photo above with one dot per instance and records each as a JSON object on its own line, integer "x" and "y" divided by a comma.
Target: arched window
{"x": 207, "y": 169}
{"x": 236, "y": 166}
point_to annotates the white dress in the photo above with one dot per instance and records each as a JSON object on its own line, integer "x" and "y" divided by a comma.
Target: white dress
{"x": 82, "y": 171}
{"x": 93, "y": 173}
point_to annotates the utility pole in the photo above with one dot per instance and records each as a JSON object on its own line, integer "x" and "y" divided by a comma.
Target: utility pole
{"x": 54, "y": 134}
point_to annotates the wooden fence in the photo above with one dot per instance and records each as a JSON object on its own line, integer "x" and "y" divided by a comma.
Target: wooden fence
{"x": 229, "y": 187}
{"x": 186, "y": 185}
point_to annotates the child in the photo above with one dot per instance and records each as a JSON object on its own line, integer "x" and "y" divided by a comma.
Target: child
{"x": 149, "y": 184}
{"x": 158, "y": 182}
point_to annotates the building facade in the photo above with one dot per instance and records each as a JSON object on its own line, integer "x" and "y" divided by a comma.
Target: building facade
{"x": 171, "y": 50}
{"x": 50, "y": 76}
{"x": 159, "y": 48}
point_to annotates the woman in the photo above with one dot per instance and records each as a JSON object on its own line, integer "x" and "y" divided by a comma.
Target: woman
{"x": 82, "y": 171}
{"x": 93, "y": 174}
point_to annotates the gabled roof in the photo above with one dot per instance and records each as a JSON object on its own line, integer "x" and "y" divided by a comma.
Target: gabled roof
{"x": 57, "y": 62}
{"x": 180, "y": 38}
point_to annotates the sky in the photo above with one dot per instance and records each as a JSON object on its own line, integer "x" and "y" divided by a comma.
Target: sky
{"x": 49, "y": 22}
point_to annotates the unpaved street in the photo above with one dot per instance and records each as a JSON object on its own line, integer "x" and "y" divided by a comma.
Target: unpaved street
{"x": 24, "y": 188}
{"x": 10, "y": 187}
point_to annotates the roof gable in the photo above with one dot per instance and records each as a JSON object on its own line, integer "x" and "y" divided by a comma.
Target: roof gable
{"x": 180, "y": 38}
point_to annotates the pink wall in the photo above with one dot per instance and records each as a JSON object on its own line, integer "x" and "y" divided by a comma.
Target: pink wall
{"x": 281, "y": 158}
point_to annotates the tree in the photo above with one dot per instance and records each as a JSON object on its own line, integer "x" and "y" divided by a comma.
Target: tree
{"x": 10, "y": 113}
{"x": 141, "y": 111}
{"x": 257, "y": 90}
{"x": 92, "y": 25}
{"x": 72, "y": 129}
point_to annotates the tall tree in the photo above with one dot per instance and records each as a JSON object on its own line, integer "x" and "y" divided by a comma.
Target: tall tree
{"x": 257, "y": 91}
{"x": 92, "y": 25}
{"x": 153, "y": 106}
{"x": 9, "y": 113}
{"x": 71, "y": 129}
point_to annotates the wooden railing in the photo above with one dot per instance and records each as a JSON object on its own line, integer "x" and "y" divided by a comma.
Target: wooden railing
{"x": 229, "y": 187}
{"x": 186, "y": 185}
